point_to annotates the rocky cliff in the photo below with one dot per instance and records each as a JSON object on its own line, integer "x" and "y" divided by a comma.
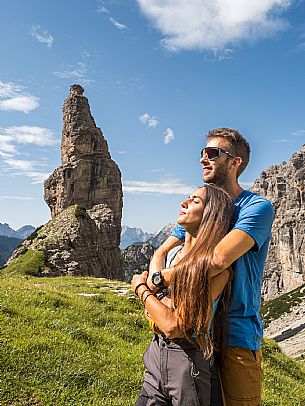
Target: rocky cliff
{"x": 161, "y": 235}
{"x": 284, "y": 186}
{"x": 136, "y": 259}
{"x": 85, "y": 198}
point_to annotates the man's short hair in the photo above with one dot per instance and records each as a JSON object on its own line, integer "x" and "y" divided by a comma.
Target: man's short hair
{"x": 239, "y": 145}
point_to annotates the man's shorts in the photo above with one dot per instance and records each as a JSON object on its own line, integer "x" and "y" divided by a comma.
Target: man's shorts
{"x": 241, "y": 377}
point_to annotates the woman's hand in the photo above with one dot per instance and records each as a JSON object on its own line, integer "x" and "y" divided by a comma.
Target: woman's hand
{"x": 137, "y": 279}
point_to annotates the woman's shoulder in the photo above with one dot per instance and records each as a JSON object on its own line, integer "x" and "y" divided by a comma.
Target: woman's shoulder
{"x": 172, "y": 255}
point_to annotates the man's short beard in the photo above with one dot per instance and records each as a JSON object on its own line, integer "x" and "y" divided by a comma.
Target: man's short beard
{"x": 219, "y": 176}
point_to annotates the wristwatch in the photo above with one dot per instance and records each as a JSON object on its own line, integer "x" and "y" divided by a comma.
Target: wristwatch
{"x": 157, "y": 279}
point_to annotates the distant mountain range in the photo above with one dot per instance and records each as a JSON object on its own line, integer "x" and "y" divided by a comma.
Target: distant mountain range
{"x": 130, "y": 236}
{"x": 7, "y": 246}
{"x": 10, "y": 239}
{"x": 137, "y": 255}
{"x": 21, "y": 233}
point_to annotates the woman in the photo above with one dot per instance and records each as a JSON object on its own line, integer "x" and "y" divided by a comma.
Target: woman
{"x": 178, "y": 361}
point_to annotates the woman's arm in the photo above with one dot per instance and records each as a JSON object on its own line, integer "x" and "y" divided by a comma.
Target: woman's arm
{"x": 218, "y": 283}
{"x": 164, "y": 317}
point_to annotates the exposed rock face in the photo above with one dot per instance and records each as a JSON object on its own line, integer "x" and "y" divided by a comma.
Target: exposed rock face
{"x": 85, "y": 198}
{"x": 284, "y": 186}
{"x": 288, "y": 330}
{"x": 88, "y": 176}
{"x": 136, "y": 259}
{"x": 161, "y": 236}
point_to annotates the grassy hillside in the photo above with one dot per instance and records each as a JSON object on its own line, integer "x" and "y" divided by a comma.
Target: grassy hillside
{"x": 79, "y": 341}
{"x": 274, "y": 308}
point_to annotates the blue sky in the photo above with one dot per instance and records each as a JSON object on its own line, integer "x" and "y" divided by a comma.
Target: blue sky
{"x": 158, "y": 75}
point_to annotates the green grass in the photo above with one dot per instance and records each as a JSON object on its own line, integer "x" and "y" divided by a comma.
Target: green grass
{"x": 59, "y": 347}
{"x": 273, "y": 309}
{"x": 32, "y": 262}
{"x": 79, "y": 211}
{"x": 284, "y": 378}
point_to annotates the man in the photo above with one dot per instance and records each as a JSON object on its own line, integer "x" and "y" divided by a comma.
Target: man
{"x": 224, "y": 158}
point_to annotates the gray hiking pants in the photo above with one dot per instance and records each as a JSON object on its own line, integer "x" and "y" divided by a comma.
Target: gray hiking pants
{"x": 178, "y": 375}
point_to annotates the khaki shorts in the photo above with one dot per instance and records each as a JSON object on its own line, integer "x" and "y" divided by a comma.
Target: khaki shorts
{"x": 241, "y": 377}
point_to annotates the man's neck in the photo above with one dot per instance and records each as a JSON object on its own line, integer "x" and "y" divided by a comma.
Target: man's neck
{"x": 233, "y": 188}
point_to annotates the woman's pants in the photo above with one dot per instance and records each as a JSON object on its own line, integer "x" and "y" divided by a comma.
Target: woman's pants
{"x": 178, "y": 375}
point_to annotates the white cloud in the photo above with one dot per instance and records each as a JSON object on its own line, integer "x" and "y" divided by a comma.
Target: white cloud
{"x": 6, "y": 146}
{"x": 19, "y": 164}
{"x": 298, "y": 133}
{"x": 163, "y": 187}
{"x": 14, "y": 97}
{"x": 156, "y": 170}
{"x": 18, "y": 167}
{"x": 11, "y": 136}
{"x": 9, "y": 89}
{"x": 218, "y": 55}
{"x": 42, "y": 35}
{"x": 37, "y": 177}
{"x": 213, "y": 24}
{"x": 246, "y": 184}
{"x": 102, "y": 9}
{"x": 281, "y": 140}
{"x": 168, "y": 136}
{"x": 28, "y": 135}
{"x": 117, "y": 25}
{"x": 77, "y": 73}
{"x": 16, "y": 198}
{"x": 151, "y": 122}
{"x": 20, "y": 103}
{"x": 121, "y": 152}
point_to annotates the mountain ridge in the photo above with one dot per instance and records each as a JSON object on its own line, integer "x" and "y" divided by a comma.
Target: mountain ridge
{"x": 21, "y": 233}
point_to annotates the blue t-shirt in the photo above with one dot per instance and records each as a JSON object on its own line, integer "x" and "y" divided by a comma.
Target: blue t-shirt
{"x": 253, "y": 215}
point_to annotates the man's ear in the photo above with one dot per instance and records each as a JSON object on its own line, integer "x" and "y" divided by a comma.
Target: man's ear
{"x": 237, "y": 161}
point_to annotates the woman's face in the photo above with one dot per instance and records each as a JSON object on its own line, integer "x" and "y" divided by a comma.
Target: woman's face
{"x": 191, "y": 211}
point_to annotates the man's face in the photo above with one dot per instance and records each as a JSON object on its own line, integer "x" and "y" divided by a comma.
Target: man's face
{"x": 218, "y": 171}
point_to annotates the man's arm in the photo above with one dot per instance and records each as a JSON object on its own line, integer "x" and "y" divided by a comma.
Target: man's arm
{"x": 235, "y": 244}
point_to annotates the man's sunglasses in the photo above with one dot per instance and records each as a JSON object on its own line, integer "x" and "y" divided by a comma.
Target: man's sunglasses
{"x": 213, "y": 153}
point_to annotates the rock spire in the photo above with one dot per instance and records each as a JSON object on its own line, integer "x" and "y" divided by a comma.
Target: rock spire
{"x": 284, "y": 186}
{"x": 84, "y": 195}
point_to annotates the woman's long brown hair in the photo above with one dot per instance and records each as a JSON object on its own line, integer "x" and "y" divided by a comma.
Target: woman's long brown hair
{"x": 190, "y": 282}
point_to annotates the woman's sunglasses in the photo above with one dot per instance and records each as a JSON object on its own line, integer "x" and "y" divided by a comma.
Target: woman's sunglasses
{"x": 213, "y": 153}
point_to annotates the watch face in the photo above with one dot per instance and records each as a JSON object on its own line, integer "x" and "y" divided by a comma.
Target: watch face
{"x": 157, "y": 279}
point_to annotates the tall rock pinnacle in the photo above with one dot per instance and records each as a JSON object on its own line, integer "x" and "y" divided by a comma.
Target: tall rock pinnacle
{"x": 87, "y": 175}
{"x": 284, "y": 186}
{"x": 85, "y": 198}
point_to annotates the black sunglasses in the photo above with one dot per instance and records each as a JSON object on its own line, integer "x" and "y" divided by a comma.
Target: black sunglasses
{"x": 214, "y": 153}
